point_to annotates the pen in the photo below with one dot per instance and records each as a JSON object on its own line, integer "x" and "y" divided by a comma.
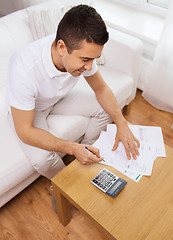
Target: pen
{"x": 92, "y": 152}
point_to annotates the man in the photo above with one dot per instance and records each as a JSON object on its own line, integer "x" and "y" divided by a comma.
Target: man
{"x": 40, "y": 78}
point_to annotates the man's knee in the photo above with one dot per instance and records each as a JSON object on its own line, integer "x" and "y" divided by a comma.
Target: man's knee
{"x": 47, "y": 163}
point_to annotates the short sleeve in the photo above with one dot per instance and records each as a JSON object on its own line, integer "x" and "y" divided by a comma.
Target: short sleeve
{"x": 20, "y": 92}
{"x": 92, "y": 71}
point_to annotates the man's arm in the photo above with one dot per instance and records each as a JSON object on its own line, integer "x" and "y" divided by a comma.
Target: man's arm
{"x": 108, "y": 101}
{"x": 23, "y": 121}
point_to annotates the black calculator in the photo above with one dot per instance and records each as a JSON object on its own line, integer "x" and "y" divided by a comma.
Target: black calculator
{"x": 108, "y": 182}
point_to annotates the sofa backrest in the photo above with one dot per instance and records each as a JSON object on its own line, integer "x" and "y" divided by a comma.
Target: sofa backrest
{"x": 15, "y": 33}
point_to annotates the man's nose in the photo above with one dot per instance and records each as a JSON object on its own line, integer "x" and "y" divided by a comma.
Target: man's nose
{"x": 88, "y": 65}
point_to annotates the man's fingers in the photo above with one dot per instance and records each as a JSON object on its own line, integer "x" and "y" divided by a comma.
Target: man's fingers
{"x": 116, "y": 144}
{"x": 130, "y": 142}
{"x": 127, "y": 149}
{"x": 136, "y": 145}
{"x": 96, "y": 151}
{"x": 133, "y": 150}
{"x": 92, "y": 159}
{"x": 93, "y": 155}
{"x": 96, "y": 159}
{"x": 137, "y": 142}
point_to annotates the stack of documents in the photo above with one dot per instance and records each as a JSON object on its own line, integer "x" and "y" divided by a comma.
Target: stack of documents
{"x": 151, "y": 147}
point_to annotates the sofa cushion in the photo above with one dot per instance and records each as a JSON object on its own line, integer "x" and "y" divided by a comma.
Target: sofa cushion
{"x": 14, "y": 165}
{"x": 120, "y": 83}
{"x": 100, "y": 60}
{"x": 40, "y": 21}
{"x": 44, "y": 18}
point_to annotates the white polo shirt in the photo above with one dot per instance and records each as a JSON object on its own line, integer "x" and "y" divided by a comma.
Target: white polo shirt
{"x": 33, "y": 80}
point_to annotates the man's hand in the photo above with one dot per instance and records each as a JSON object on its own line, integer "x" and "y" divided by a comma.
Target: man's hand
{"x": 85, "y": 156}
{"x": 130, "y": 142}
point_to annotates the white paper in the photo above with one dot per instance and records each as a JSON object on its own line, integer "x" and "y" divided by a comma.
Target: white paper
{"x": 149, "y": 134}
{"x": 151, "y": 146}
{"x": 152, "y": 135}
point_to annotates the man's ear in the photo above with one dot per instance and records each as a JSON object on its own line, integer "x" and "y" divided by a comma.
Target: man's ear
{"x": 61, "y": 46}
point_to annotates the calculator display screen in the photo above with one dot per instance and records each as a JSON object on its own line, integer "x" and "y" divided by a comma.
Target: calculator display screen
{"x": 115, "y": 187}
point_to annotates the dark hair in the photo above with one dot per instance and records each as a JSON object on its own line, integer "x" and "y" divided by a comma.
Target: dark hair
{"x": 81, "y": 22}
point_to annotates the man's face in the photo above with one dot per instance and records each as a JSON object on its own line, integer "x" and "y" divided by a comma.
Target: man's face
{"x": 80, "y": 60}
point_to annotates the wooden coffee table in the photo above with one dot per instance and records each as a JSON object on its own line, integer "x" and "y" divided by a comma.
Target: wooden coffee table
{"x": 142, "y": 210}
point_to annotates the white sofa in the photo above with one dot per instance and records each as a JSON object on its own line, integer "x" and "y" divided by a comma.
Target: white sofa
{"x": 122, "y": 55}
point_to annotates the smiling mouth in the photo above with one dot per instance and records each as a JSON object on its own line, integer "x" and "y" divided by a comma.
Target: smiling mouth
{"x": 81, "y": 70}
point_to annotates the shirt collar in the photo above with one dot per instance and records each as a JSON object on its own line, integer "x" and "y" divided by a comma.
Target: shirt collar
{"x": 47, "y": 59}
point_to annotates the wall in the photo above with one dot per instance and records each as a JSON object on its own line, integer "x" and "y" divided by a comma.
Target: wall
{"x": 9, "y": 6}
{"x": 6, "y": 7}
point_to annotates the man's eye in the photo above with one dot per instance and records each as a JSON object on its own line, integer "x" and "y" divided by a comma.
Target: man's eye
{"x": 86, "y": 60}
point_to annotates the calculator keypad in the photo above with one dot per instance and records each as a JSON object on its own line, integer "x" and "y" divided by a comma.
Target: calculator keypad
{"x": 104, "y": 180}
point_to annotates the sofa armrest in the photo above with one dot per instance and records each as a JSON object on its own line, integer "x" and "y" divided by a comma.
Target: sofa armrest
{"x": 123, "y": 53}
